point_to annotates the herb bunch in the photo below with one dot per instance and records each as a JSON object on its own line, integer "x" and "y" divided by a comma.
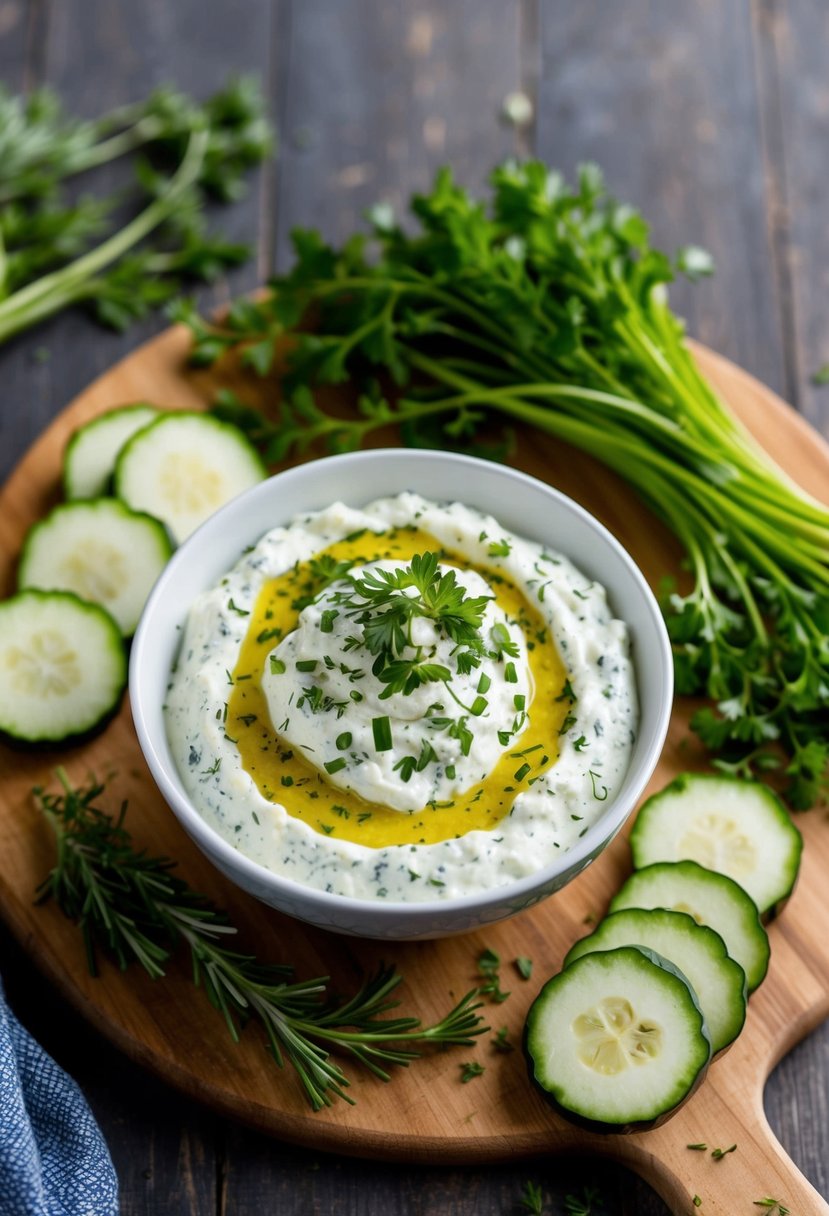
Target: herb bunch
{"x": 131, "y": 905}
{"x": 547, "y": 307}
{"x": 380, "y": 604}
{"x": 55, "y": 253}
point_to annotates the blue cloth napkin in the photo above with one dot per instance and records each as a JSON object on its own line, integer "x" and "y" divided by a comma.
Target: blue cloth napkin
{"x": 53, "y": 1159}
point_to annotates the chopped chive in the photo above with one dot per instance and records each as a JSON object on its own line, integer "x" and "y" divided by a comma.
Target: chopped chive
{"x": 478, "y": 706}
{"x": 719, "y": 1153}
{"x": 231, "y": 607}
{"x": 334, "y": 766}
{"x": 381, "y": 729}
{"x": 267, "y": 634}
{"x": 525, "y": 966}
{"x": 450, "y": 772}
{"x": 327, "y": 620}
{"x": 306, "y": 664}
{"x": 484, "y": 683}
{"x": 521, "y": 773}
{"x": 519, "y": 701}
{"x": 343, "y": 740}
{"x": 510, "y": 674}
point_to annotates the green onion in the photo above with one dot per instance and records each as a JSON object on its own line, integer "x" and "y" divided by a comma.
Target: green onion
{"x": 381, "y": 728}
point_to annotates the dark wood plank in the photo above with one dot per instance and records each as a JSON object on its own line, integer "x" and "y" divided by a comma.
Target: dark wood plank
{"x": 27, "y": 410}
{"x": 665, "y": 101}
{"x": 790, "y": 39}
{"x": 372, "y": 98}
{"x": 795, "y": 102}
{"x": 378, "y": 95}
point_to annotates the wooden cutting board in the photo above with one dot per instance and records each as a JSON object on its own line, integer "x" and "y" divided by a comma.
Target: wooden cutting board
{"x": 425, "y": 1113}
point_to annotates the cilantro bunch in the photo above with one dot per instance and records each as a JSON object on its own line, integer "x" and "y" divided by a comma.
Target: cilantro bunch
{"x": 547, "y": 306}
{"x": 124, "y": 253}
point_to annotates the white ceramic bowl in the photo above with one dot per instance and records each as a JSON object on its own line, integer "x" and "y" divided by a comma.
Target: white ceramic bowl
{"x": 527, "y": 507}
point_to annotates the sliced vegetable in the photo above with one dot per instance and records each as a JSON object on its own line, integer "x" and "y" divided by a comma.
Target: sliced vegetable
{"x": 711, "y": 899}
{"x": 63, "y": 666}
{"x": 739, "y": 828}
{"x": 699, "y": 953}
{"x": 183, "y": 467}
{"x": 102, "y": 551}
{"x": 616, "y": 1042}
{"x": 89, "y": 457}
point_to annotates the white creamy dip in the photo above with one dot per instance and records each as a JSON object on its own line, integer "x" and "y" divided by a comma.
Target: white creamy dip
{"x": 328, "y": 699}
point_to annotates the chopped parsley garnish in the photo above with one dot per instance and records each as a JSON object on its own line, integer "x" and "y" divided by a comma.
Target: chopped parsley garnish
{"x": 524, "y": 966}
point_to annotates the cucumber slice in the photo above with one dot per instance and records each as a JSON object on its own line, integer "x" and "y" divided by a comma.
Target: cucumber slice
{"x": 712, "y": 899}
{"x": 698, "y": 952}
{"x": 102, "y": 551}
{"x": 183, "y": 467}
{"x": 739, "y": 828}
{"x": 62, "y": 663}
{"x": 616, "y": 1042}
{"x": 89, "y": 457}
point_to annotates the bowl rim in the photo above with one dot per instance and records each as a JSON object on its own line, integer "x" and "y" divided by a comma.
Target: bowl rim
{"x": 223, "y": 854}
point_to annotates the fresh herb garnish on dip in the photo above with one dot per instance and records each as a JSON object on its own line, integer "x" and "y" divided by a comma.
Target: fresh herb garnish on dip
{"x": 413, "y": 712}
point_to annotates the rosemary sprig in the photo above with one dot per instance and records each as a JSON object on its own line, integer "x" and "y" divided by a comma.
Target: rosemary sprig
{"x": 131, "y": 904}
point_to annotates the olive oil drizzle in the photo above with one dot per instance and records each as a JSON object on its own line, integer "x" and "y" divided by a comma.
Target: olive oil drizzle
{"x": 285, "y": 776}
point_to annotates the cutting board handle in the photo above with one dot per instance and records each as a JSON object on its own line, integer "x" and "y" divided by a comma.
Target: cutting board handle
{"x": 759, "y": 1168}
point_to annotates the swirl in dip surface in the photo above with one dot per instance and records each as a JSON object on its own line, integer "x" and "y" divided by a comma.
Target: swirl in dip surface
{"x": 403, "y": 701}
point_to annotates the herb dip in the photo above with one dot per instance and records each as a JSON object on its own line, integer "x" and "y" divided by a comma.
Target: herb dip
{"x": 404, "y": 701}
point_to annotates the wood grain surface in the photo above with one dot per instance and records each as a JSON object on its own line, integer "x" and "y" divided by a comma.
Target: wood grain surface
{"x": 713, "y": 118}
{"x": 427, "y": 1113}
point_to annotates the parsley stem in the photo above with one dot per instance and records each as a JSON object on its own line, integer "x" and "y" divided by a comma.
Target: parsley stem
{"x": 53, "y": 292}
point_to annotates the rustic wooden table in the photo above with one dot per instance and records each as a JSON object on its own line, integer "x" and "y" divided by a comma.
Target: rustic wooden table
{"x": 714, "y": 118}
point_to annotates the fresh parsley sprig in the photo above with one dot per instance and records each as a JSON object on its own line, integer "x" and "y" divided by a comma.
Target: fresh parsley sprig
{"x": 54, "y": 254}
{"x": 132, "y": 906}
{"x": 380, "y": 603}
{"x": 548, "y": 307}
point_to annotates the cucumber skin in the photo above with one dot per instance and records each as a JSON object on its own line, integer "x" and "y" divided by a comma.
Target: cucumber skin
{"x": 597, "y": 1125}
{"x": 75, "y": 738}
{"x": 75, "y": 438}
{"x": 680, "y": 784}
{"x": 165, "y": 543}
{"x": 571, "y": 957}
{"x": 751, "y": 987}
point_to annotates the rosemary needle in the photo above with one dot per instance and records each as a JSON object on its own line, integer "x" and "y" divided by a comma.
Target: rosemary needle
{"x": 131, "y": 904}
